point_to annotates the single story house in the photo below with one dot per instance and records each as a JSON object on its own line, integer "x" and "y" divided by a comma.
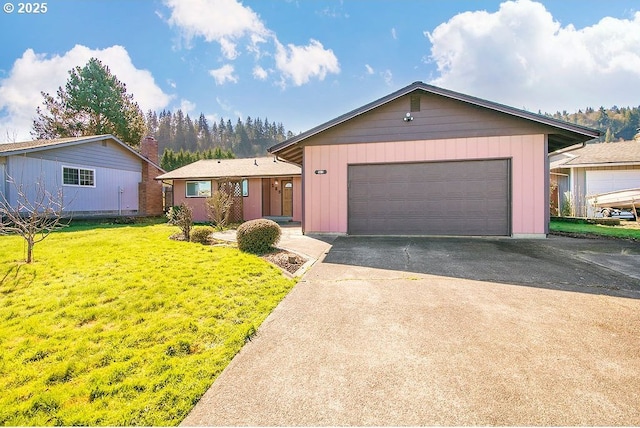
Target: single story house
{"x": 429, "y": 161}
{"x": 593, "y": 169}
{"x": 261, "y": 187}
{"x": 98, "y": 175}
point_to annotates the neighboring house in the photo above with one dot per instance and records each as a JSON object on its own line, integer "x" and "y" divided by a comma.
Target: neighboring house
{"x": 261, "y": 187}
{"x": 429, "y": 161}
{"x": 99, "y": 175}
{"x": 593, "y": 169}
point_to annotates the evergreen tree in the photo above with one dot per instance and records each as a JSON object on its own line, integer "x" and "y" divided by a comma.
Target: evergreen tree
{"x": 180, "y": 133}
{"x": 152, "y": 122}
{"x": 93, "y": 102}
{"x": 243, "y": 145}
{"x": 204, "y": 134}
{"x": 191, "y": 137}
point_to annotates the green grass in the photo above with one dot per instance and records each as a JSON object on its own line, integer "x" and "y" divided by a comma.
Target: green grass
{"x": 118, "y": 325}
{"x": 629, "y": 231}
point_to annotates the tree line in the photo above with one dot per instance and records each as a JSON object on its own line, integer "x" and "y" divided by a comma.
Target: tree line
{"x": 615, "y": 123}
{"x": 178, "y": 132}
{"x": 171, "y": 159}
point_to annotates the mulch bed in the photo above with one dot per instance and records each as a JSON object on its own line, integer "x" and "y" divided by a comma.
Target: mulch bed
{"x": 286, "y": 260}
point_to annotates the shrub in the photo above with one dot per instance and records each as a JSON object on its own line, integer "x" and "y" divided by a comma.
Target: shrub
{"x": 219, "y": 208}
{"x": 202, "y": 235}
{"x": 258, "y": 236}
{"x": 181, "y": 216}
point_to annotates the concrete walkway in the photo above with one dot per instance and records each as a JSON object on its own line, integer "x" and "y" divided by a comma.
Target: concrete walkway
{"x": 356, "y": 345}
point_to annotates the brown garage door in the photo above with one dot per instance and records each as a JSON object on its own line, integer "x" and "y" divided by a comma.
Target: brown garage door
{"x": 430, "y": 198}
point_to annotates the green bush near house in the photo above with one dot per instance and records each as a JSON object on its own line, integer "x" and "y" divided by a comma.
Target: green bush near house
{"x": 202, "y": 235}
{"x": 258, "y": 236}
{"x": 119, "y": 325}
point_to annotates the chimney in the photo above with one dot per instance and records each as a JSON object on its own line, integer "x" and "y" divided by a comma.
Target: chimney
{"x": 150, "y": 190}
{"x": 149, "y": 149}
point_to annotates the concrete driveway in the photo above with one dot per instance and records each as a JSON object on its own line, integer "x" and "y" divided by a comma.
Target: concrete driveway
{"x": 436, "y": 331}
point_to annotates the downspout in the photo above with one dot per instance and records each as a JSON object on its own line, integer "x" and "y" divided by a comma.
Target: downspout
{"x": 120, "y": 191}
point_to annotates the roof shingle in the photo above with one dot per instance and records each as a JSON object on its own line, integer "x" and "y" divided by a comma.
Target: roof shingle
{"x": 623, "y": 152}
{"x": 220, "y": 168}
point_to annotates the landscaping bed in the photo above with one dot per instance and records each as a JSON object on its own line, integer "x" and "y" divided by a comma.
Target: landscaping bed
{"x": 286, "y": 260}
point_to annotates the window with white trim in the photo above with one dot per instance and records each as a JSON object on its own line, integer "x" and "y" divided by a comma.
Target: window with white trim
{"x": 245, "y": 187}
{"x": 72, "y": 176}
{"x": 198, "y": 189}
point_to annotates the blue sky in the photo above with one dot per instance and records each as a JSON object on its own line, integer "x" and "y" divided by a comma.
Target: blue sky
{"x": 305, "y": 62}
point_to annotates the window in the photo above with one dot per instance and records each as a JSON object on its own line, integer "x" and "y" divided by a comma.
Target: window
{"x": 245, "y": 187}
{"x": 78, "y": 177}
{"x": 198, "y": 189}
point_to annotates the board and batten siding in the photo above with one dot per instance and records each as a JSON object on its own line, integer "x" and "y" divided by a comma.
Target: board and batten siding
{"x": 115, "y": 190}
{"x": 325, "y": 205}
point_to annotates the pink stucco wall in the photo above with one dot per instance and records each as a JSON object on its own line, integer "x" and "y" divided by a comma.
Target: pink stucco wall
{"x": 251, "y": 205}
{"x": 196, "y": 204}
{"x": 297, "y": 198}
{"x": 326, "y": 195}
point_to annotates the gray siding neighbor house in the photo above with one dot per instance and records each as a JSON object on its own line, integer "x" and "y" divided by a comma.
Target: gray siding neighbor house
{"x": 99, "y": 175}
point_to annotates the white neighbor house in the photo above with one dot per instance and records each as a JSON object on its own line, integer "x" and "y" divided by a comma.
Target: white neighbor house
{"x": 594, "y": 169}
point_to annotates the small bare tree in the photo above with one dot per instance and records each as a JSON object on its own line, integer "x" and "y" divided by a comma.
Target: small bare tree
{"x": 219, "y": 208}
{"x": 182, "y": 216}
{"x": 34, "y": 216}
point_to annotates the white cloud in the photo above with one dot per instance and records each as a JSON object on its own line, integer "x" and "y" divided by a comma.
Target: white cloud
{"x": 300, "y": 63}
{"x": 387, "y": 76}
{"x": 394, "y": 34}
{"x": 224, "y": 105}
{"x": 260, "y": 73}
{"x": 32, "y": 73}
{"x": 521, "y": 56}
{"x": 187, "y": 106}
{"x": 222, "y": 21}
{"x": 229, "y": 23}
{"x": 224, "y": 74}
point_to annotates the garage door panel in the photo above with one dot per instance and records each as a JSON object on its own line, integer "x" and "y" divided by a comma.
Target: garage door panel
{"x": 431, "y": 198}
{"x": 602, "y": 181}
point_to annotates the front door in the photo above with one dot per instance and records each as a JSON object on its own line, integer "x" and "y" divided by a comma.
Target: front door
{"x": 287, "y": 198}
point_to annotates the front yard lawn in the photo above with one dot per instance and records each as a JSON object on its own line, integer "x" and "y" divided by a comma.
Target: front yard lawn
{"x": 121, "y": 325}
{"x": 626, "y": 230}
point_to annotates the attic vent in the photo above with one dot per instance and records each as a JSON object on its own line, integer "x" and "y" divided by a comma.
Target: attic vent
{"x": 415, "y": 103}
{"x": 104, "y": 143}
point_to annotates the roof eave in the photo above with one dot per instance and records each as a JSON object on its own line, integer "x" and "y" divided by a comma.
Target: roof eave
{"x": 80, "y": 140}
{"x": 220, "y": 177}
{"x": 597, "y": 165}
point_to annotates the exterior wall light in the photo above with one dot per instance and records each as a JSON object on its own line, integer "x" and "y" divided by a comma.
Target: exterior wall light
{"x": 320, "y": 171}
{"x": 408, "y": 117}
